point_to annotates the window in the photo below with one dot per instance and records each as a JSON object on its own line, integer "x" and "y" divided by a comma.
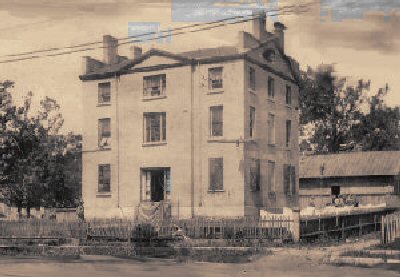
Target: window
{"x": 215, "y": 79}
{"x": 271, "y": 87}
{"x": 104, "y": 178}
{"x": 216, "y": 174}
{"x": 289, "y": 179}
{"x": 271, "y": 129}
{"x": 154, "y": 86}
{"x": 104, "y": 132}
{"x": 271, "y": 177}
{"x": 288, "y": 95}
{"x": 255, "y": 175}
{"x": 104, "y": 90}
{"x": 288, "y": 131}
{"x": 252, "y": 78}
{"x": 155, "y": 126}
{"x": 252, "y": 121}
{"x": 216, "y": 117}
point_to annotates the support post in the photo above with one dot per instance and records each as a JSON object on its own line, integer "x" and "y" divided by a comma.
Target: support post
{"x": 296, "y": 224}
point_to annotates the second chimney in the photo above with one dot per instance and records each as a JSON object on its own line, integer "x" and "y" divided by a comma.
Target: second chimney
{"x": 280, "y": 35}
{"x": 136, "y": 52}
{"x": 110, "y": 51}
{"x": 259, "y": 25}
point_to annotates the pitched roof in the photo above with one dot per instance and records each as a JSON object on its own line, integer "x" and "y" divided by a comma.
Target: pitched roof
{"x": 351, "y": 164}
{"x": 210, "y": 52}
{"x": 217, "y": 54}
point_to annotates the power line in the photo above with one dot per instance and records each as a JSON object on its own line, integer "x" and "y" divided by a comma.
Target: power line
{"x": 147, "y": 34}
{"x": 222, "y": 22}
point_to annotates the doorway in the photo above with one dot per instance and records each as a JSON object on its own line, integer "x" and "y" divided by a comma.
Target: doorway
{"x": 157, "y": 185}
{"x": 335, "y": 191}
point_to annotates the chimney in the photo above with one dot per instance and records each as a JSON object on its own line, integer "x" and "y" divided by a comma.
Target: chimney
{"x": 259, "y": 25}
{"x": 280, "y": 35}
{"x": 135, "y": 52}
{"x": 110, "y": 54}
{"x": 86, "y": 65}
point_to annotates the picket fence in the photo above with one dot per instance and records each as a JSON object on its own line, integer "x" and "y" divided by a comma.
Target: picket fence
{"x": 390, "y": 228}
{"x": 267, "y": 227}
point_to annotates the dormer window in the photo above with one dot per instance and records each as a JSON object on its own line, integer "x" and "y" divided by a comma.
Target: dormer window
{"x": 154, "y": 86}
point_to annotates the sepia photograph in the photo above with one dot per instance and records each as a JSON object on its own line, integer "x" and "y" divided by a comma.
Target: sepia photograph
{"x": 199, "y": 138}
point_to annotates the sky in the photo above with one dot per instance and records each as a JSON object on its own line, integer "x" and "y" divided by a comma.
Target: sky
{"x": 362, "y": 38}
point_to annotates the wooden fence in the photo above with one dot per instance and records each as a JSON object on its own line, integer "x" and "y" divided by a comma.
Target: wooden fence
{"x": 390, "y": 228}
{"x": 341, "y": 226}
{"x": 271, "y": 228}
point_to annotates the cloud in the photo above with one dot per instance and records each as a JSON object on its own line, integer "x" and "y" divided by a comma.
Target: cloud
{"x": 345, "y": 9}
{"x": 371, "y": 33}
{"x": 72, "y": 8}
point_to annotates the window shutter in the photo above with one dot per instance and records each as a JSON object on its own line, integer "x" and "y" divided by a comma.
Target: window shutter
{"x": 286, "y": 179}
{"x": 167, "y": 178}
{"x": 293, "y": 178}
{"x": 148, "y": 184}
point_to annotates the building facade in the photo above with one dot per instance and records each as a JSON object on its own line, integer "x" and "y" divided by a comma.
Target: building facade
{"x": 211, "y": 132}
{"x": 368, "y": 178}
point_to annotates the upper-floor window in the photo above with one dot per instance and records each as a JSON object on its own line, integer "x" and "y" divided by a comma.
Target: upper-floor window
{"x": 104, "y": 178}
{"x": 216, "y": 120}
{"x": 104, "y": 127}
{"x": 271, "y": 129}
{"x": 252, "y": 78}
{"x": 104, "y": 93}
{"x": 271, "y": 88}
{"x": 288, "y": 132}
{"x": 255, "y": 175}
{"x": 288, "y": 95}
{"x": 252, "y": 121}
{"x": 154, "y": 85}
{"x": 155, "y": 127}
{"x": 215, "y": 78}
{"x": 216, "y": 174}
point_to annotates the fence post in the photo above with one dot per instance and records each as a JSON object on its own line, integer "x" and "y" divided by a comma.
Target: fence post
{"x": 296, "y": 224}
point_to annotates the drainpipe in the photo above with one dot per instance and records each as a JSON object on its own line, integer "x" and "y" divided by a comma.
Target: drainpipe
{"x": 192, "y": 69}
{"x": 117, "y": 133}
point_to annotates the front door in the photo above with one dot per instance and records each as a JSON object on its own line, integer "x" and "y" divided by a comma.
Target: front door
{"x": 157, "y": 185}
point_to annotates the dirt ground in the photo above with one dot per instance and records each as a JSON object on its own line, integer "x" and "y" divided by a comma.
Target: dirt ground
{"x": 284, "y": 262}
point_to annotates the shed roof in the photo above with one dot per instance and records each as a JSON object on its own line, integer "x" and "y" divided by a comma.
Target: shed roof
{"x": 373, "y": 163}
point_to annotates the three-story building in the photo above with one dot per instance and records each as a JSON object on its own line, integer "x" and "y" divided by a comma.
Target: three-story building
{"x": 211, "y": 132}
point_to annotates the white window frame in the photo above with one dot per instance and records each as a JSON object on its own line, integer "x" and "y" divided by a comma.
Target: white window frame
{"x": 271, "y": 87}
{"x": 101, "y": 87}
{"x": 210, "y": 188}
{"x": 104, "y": 142}
{"x": 98, "y": 178}
{"x": 271, "y": 135}
{"x": 211, "y": 78}
{"x": 149, "y": 92}
{"x": 288, "y": 95}
{"x": 211, "y": 121}
{"x": 162, "y": 128}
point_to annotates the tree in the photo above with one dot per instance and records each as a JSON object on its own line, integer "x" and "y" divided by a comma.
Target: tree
{"x": 342, "y": 116}
{"x": 33, "y": 154}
